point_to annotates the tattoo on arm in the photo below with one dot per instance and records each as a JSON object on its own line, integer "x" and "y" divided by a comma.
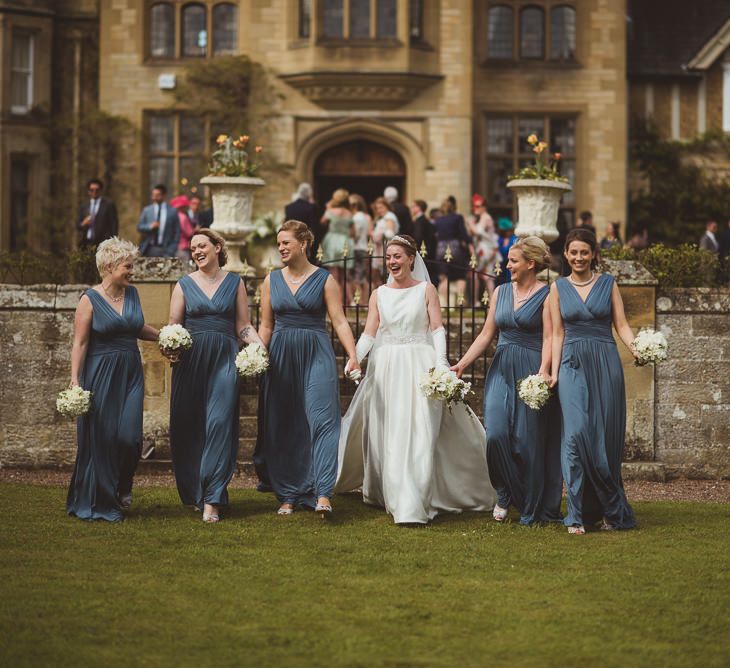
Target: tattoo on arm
{"x": 245, "y": 333}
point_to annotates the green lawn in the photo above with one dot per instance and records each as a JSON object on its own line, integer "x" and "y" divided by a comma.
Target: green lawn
{"x": 261, "y": 590}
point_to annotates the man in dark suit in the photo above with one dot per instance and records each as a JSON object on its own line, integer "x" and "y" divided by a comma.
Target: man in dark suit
{"x": 305, "y": 211}
{"x": 97, "y": 219}
{"x": 424, "y": 232}
{"x": 724, "y": 239}
{"x": 401, "y": 211}
{"x": 709, "y": 240}
{"x": 160, "y": 226}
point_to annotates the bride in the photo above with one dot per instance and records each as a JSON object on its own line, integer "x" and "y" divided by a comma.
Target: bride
{"x": 407, "y": 452}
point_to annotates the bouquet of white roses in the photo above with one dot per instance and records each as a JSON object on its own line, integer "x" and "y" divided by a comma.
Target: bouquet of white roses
{"x": 650, "y": 347}
{"x": 73, "y": 402}
{"x": 444, "y": 385}
{"x": 252, "y": 360}
{"x": 174, "y": 338}
{"x": 534, "y": 391}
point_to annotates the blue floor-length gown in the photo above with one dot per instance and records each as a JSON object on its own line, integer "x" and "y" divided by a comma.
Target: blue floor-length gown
{"x": 109, "y": 436}
{"x": 299, "y": 437}
{"x": 523, "y": 445}
{"x": 204, "y": 405}
{"x": 593, "y": 405}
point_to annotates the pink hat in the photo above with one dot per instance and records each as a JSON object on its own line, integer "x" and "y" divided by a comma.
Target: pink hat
{"x": 180, "y": 200}
{"x": 477, "y": 200}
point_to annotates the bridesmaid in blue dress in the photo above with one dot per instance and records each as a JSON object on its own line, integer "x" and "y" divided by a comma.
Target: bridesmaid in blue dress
{"x": 204, "y": 405}
{"x": 105, "y": 359}
{"x": 523, "y": 451}
{"x": 299, "y": 438}
{"x": 591, "y": 388}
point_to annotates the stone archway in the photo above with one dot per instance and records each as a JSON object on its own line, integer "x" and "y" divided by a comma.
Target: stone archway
{"x": 361, "y": 166}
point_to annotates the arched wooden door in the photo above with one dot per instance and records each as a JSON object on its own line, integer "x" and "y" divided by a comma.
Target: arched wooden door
{"x": 362, "y": 167}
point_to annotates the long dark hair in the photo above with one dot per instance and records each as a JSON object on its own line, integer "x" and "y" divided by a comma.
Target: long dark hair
{"x": 587, "y": 237}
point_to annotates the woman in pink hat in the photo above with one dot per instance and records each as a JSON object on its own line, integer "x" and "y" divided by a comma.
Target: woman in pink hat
{"x": 187, "y": 229}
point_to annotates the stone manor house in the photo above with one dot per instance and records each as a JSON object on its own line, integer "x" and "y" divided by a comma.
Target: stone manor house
{"x": 435, "y": 97}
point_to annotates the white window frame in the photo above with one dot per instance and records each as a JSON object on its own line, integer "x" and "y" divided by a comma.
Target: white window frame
{"x": 17, "y": 108}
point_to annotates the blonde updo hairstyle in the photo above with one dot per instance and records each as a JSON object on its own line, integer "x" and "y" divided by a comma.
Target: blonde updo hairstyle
{"x": 301, "y": 232}
{"x": 112, "y": 252}
{"x": 535, "y": 249}
{"x": 217, "y": 240}
{"x": 340, "y": 199}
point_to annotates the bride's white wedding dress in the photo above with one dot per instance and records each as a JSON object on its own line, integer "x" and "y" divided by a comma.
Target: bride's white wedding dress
{"x": 409, "y": 453}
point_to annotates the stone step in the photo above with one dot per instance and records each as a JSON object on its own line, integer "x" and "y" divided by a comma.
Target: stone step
{"x": 648, "y": 471}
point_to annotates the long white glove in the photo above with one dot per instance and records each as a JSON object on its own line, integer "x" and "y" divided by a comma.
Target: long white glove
{"x": 439, "y": 343}
{"x": 363, "y": 346}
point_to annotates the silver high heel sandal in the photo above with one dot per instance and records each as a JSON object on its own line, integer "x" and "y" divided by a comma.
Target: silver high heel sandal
{"x": 500, "y": 514}
{"x": 285, "y": 511}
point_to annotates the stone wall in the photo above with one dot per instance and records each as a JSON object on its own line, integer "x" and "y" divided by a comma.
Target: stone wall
{"x": 678, "y": 416}
{"x": 693, "y": 386}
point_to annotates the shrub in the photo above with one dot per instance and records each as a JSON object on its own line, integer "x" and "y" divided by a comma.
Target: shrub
{"x": 27, "y": 268}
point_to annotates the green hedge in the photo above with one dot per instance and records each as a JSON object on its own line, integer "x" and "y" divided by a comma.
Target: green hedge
{"x": 27, "y": 268}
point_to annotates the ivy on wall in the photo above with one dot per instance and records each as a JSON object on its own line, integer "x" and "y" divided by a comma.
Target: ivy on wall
{"x": 677, "y": 194}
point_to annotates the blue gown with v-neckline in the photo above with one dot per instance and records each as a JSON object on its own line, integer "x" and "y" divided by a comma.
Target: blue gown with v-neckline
{"x": 204, "y": 403}
{"x": 299, "y": 429}
{"x": 523, "y": 445}
{"x": 109, "y": 436}
{"x": 593, "y": 404}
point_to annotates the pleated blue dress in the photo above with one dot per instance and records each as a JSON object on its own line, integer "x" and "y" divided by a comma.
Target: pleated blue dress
{"x": 523, "y": 445}
{"x": 300, "y": 432}
{"x": 593, "y": 405}
{"x": 204, "y": 404}
{"x": 109, "y": 436}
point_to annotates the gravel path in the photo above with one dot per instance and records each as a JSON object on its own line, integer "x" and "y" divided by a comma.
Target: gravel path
{"x": 711, "y": 491}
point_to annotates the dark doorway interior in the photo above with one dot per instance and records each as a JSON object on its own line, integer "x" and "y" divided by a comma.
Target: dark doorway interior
{"x": 361, "y": 167}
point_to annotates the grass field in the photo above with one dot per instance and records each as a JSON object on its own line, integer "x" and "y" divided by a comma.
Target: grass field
{"x": 261, "y": 590}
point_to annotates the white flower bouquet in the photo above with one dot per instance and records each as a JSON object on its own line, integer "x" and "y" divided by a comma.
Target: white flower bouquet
{"x": 174, "y": 338}
{"x": 534, "y": 391}
{"x": 73, "y": 402}
{"x": 444, "y": 385}
{"x": 252, "y": 360}
{"x": 650, "y": 347}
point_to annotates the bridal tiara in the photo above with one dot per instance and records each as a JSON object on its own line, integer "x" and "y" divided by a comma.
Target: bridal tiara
{"x": 403, "y": 241}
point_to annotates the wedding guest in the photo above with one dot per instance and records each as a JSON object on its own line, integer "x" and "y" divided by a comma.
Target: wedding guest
{"x": 523, "y": 445}
{"x": 424, "y": 234}
{"x": 182, "y": 204}
{"x": 507, "y": 238}
{"x": 362, "y": 230}
{"x": 297, "y": 449}
{"x": 212, "y": 305}
{"x": 194, "y": 211}
{"x": 452, "y": 234}
{"x": 399, "y": 209}
{"x": 585, "y": 220}
{"x": 408, "y": 453}
{"x": 97, "y": 219}
{"x": 105, "y": 360}
{"x": 386, "y": 227}
{"x": 304, "y": 208}
{"x": 613, "y": 236}
{"x": 586, "y": 364}
{"x": 486, "y": 240}
{"x": 640, "y": 240}
{"x": 160, "y": 226}
{"x": 709, "y": 241}
{"x": 337, "y": 220}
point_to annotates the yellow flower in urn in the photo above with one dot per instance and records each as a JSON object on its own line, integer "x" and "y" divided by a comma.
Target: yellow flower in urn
{"x": 221, "y": 139}
{"x": 532, "y": 139}
{"x": 258, "y": 149}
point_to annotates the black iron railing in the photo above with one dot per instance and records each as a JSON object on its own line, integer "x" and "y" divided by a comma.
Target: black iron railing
{"x": 464, "y": 309}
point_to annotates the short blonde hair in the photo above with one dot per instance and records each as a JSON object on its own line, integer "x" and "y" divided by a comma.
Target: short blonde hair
{"x": 113, "y": 251}
{"x": 535, "y": 249}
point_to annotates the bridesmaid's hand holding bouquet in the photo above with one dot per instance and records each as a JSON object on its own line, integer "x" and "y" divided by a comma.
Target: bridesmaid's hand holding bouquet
{"x": 252, "y": 360}
{"x": 173, "y": 340}
{"x": 534, "y": 391}
{"x": 649, "y": 347}
{"x": 73, "y": 402}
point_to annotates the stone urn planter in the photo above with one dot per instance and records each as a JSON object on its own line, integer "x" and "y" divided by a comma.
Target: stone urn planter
{"x": 537, "y": 207}
{"x": 232, "y": 207}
